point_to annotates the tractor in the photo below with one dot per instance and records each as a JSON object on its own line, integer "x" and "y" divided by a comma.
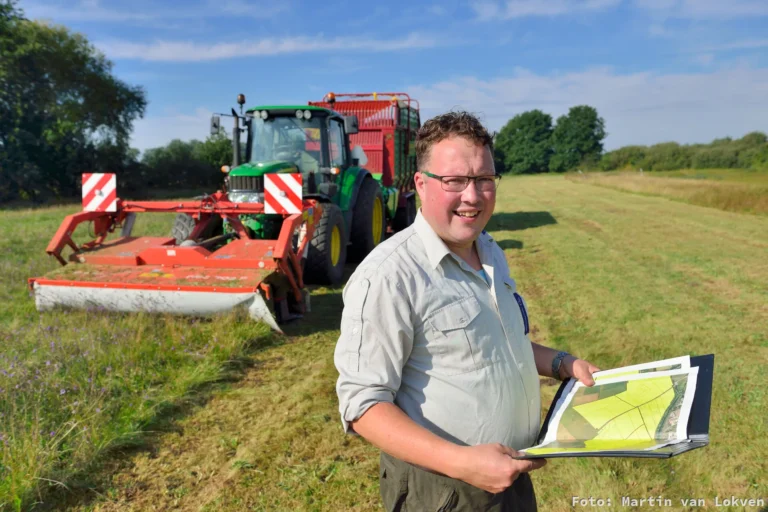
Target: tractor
{"x": 356, "y": 157}
{"x": 313, "y": 184}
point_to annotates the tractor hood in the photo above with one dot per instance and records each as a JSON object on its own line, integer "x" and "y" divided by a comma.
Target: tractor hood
{"x": 262, "y": 168}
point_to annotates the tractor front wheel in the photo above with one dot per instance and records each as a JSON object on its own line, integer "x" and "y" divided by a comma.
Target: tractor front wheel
{"x": 369, "y": 221}
{"x": 183, "y": 225}
{"x": 327, "y": 252}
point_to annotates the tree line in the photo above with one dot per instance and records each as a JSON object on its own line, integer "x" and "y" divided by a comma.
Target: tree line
{"x": 529, "y": 143}
{"x": 63, "y": 113}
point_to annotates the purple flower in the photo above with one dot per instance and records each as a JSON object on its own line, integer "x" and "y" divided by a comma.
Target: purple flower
{"x": 47, "y": 363}
{"x": 98, "y": 409}
{"x": 53, "y": 433}
{"x": 62, "y": 391}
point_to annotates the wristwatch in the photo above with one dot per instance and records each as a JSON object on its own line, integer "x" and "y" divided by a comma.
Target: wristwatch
{"x": 556, "y": 363}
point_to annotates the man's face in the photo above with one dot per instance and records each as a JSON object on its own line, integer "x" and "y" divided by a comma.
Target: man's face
{"x": 457, "y": 217}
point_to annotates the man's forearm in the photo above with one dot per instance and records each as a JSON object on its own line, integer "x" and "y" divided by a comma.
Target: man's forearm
{"x": 543, "y": 357}
{"x": 388, "y": 428}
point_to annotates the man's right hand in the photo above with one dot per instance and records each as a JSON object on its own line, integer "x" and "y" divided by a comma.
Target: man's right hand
{"x": 491, "y": 466}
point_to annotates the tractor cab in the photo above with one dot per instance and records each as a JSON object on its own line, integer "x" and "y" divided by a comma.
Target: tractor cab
{"x": 306, "y": 139}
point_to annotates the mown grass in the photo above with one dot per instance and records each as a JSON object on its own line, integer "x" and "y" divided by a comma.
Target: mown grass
{"x": 76, "y": 384}
{"x": 725, "y": 189}
{"x": 614, "y": 277}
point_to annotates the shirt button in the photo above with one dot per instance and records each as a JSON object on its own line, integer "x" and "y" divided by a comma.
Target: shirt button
{"x": 462, "y": 319}
{"x": 355, "y": 330}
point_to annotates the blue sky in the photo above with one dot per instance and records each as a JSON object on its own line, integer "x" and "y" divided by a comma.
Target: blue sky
{"x": 656, "y": 70}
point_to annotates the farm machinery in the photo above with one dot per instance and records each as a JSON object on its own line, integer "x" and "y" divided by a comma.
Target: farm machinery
{"x": 315, "y": 184}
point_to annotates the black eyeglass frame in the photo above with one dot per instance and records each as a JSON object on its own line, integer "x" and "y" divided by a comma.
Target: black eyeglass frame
{"x": 496, "y": 180}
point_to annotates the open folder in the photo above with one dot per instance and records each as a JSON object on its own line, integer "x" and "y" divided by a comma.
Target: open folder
{"x": 658, "y": 409}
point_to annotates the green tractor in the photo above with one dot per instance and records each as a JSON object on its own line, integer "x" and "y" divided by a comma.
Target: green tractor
{"x": 356, "y": 157}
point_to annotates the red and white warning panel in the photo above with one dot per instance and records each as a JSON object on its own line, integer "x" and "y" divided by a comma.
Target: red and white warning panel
{"x": 282, "y": 193}
{"x": 99, "y": 192}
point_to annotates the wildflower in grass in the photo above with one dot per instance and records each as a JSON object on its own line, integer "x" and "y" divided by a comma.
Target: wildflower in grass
{"x": 62, "y": 391}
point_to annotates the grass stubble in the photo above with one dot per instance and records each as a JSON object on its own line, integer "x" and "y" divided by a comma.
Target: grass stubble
{"x": 617, "y": 278}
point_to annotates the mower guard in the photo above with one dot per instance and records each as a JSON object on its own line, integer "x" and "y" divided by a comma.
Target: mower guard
{"x": 153, "y": 274}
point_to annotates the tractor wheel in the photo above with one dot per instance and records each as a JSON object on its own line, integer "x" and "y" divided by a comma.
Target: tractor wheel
{"x": 183, "y": 225}
{"x": 405, "y": 216}
{"x": 327, "y": 252}
{"x": 369, "y": 222}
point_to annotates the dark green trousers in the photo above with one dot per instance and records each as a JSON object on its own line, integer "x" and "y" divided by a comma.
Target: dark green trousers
{"x": 406, "y": 488}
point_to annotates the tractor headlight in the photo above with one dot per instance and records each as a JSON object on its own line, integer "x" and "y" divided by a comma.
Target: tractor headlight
{"x": 246, "y": 197}
{"x": 307, "y": 114}
{"x": 299, "y": 113}
{"x": 264, "y": 114}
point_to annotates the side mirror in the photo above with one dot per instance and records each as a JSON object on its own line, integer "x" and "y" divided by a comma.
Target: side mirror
{"x": 350, "y": 125}
{"x": 359, "y": 155}
{"x": 215, "y": 125}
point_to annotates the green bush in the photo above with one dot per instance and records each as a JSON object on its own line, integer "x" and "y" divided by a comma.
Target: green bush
{"x": 748, "y": 152}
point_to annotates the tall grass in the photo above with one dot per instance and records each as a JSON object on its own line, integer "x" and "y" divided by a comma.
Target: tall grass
{"x": 743, "y": 192}
{"x": 75, "y": 384}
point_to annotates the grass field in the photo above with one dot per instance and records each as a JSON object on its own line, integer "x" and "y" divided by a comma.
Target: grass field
{"x": 732, "y": 190}
{"x": 615, "y": 277}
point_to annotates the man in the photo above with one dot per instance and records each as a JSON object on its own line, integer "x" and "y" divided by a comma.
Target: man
{"x": 435, "y": 365}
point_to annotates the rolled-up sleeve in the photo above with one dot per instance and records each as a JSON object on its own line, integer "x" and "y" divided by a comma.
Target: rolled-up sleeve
{"x": 375, "y": 342}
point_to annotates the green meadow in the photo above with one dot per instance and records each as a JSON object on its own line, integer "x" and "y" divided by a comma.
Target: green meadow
{"x": 105, "y": 412}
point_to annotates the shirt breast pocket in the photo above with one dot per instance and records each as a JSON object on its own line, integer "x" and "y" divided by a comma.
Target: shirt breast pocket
{"x": 455, "y": 339}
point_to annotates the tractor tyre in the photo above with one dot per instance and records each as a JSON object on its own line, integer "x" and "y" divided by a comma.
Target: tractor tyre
{"x": 369, "y": 222}
{"x": 183, "y": 225}
{"x": 405, "y": 215}
{"x": 327, "y": 251}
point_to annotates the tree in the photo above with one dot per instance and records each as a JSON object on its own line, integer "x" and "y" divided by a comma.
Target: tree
{"x": 215, "y": 151}
{"x": 578, "y": 136}
{"x": 525, "y": 142}
{"x": 62, "y": 112}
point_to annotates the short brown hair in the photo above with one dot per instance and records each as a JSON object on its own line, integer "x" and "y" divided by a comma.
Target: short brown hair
{"x": 444, "y": 126}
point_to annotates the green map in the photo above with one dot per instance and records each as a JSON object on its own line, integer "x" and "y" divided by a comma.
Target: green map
{"x": 635, "y": 414}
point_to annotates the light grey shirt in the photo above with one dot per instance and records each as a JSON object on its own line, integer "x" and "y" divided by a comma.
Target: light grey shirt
{"x": 425, "y": 331}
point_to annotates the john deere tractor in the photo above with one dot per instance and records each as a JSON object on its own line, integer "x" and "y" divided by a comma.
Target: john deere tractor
{"x": 356, "y": 157}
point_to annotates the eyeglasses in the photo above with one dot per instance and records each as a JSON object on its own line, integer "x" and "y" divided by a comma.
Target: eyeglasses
{"x": 486, "y": 183}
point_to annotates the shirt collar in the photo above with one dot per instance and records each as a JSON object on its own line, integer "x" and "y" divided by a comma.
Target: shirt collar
{"x": 435, "y": 246}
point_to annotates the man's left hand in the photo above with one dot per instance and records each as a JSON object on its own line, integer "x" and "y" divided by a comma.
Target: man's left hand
{"x": 578, "y": 369}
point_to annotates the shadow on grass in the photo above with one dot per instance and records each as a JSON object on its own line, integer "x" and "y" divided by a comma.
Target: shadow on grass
{"x": 325, "y": 315}
{"x": 518, "y": 221}
{"x": 510, "y": 244}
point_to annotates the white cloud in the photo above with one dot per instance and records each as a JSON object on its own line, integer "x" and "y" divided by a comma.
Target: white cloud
{"x": 705, "y": 59}
{"x": 491, "y": 10}
{"x": 714, "y": 9}
{"x": 179, "y": 51}
{"x": 638, "y": 108}
{"x": 94, "y": 11}
{"x": 156, "y": 131}
{"x": 748, "y": 44}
